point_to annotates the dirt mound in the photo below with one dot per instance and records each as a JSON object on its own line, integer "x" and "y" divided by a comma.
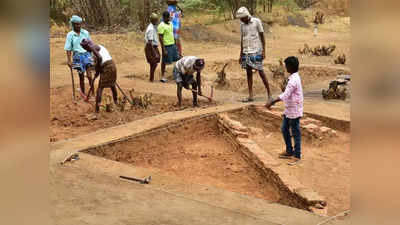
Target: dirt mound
{"x": 214, "y": 33}
{"x": 297, "y": 20}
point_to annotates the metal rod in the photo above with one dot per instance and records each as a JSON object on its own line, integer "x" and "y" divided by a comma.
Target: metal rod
{"x": 130, "y": 101}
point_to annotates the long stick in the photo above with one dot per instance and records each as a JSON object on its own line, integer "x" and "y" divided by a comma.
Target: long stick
{"x": 73, "y": 84}
{"x": 130, "y": 101}
{"x": 209, "y": 98}
{"x": 90, "y": 90}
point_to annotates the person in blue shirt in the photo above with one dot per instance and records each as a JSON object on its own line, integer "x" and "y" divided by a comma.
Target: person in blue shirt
{"x": 176, "y": 13}
{"x": 81, "y": 59}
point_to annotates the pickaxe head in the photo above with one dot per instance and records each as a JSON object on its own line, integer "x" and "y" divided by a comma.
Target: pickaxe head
{"x": 147, "y": 180}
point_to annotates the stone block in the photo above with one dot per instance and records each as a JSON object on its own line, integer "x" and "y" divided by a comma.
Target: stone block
{"x": 310, "y": 196}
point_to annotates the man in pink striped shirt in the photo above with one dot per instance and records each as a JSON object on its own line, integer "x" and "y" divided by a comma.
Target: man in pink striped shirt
{"x": 293, "y": 100}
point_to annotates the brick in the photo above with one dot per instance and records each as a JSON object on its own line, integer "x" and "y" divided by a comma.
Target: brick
{"x": 325, "y": 129}
{"x": 241, "y": 134}
{"x": 307, "y": 121}
{"x": 321, "y": 212}
{"x": 311, "y": 126}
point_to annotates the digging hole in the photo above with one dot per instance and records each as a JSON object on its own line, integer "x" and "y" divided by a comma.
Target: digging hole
{"x": 195, "y": 151}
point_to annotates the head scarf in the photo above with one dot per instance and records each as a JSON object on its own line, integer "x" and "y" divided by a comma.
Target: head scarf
{"x": 87, "y": 42}
{"x": 199, "y": 64}
{"x": 242, "y": 12}
{"x": 75, "y": 19}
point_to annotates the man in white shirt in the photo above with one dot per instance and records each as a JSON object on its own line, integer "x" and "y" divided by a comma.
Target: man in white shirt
{"x": 183, "y": 75}
{"x": 151, "y": 50}
{"x": 252, "y": 49}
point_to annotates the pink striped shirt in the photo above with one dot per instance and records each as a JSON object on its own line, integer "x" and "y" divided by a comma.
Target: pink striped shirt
{"x": 293, "y": 97}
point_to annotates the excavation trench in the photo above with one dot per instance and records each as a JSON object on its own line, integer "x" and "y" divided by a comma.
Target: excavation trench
{"x": 217, "y": 151}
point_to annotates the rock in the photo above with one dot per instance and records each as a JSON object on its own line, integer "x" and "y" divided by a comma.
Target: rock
{"x": 91, "y": 117}
{"x": 319, "y": 206}
{"x": 255, "y": 131}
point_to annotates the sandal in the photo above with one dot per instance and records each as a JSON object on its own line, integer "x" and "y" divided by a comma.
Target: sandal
{"x": 247, "y": 100}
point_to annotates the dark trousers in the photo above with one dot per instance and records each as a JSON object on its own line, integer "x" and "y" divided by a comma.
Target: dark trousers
{"x": 293, "y": 125}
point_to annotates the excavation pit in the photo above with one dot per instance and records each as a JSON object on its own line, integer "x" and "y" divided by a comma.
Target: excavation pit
{"x": 195, "y": 151}
{"x": 235, "y": 151}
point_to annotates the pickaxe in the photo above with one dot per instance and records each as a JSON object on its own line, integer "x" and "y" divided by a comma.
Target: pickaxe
{"x": 209, "y": 98}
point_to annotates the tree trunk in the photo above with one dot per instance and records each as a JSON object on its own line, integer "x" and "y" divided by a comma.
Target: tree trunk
{"x": 270, "y": 2}
{"x": 264, "y": 3}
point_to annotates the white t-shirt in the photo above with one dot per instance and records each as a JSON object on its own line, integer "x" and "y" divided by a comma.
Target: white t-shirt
{"x": 151, "y": 35}
{"x": 250, "y": 34}
{"x": 105, "y": 55}
{"x": 185, "y": 65}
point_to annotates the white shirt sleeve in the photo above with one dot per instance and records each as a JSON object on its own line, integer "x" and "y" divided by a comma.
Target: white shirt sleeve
{"x": 260, "y": 27}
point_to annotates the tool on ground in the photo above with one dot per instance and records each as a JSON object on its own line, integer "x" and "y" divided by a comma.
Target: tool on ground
{"x": 71, "y": 157}
{"x": 73, "y": 83}
{"x": 130, "y": 101}
{"x": 209, "y": 98}
{"x": 142, "y": 181}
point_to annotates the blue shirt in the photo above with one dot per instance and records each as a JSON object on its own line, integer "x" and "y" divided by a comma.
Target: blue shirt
{"x": 73, "y": 42}
{"x": 176, "y": 16}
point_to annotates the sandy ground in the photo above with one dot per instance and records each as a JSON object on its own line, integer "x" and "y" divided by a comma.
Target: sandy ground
{"x": 218, "y": 46}
{"x": 326, "y": 165}
{"x": 325, "y": 168}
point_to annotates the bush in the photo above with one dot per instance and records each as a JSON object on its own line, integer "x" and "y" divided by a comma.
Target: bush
{"x": 297, "y": 20}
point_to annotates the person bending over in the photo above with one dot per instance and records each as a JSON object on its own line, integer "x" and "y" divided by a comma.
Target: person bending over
{"x": 105, "y": 68}
{"x": 183, "y": 75}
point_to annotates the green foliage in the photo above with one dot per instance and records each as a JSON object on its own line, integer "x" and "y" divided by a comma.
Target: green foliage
{"x": 124, "y": 2}
{"x": 192, "y": 5}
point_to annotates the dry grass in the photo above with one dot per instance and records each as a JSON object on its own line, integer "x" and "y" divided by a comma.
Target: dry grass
{"x": 335, "y": 7}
